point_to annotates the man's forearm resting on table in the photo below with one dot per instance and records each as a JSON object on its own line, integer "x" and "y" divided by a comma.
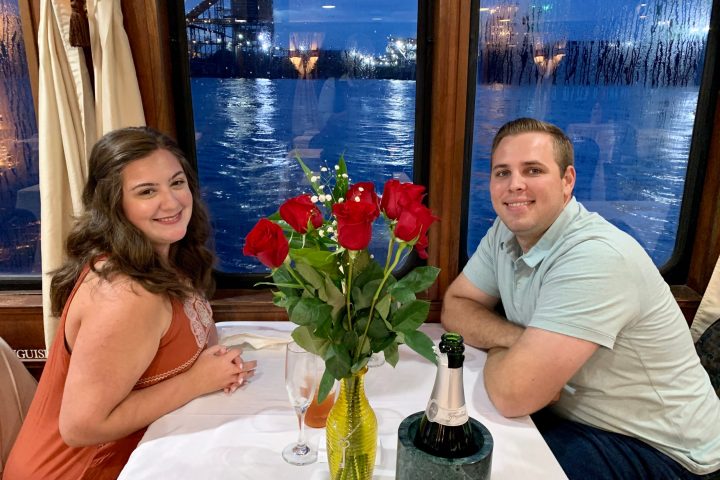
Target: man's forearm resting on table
{"x": 510, "y": 393}
{"x": 480, "y": 326}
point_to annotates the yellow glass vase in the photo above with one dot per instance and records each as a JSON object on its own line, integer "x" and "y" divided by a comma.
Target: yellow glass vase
{"x": 351, "y": 432}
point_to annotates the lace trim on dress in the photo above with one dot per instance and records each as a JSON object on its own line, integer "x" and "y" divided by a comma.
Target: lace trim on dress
{"x": 198, "y": 310}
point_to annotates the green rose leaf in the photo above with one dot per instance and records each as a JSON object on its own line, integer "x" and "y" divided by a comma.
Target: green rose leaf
{"x": 401, "y": 294}
{"x": 421, "y": 343}
{"x": 410, "y": 316}
{"x": 383, "y": 307}
{"x": 421, "y": 278}
{"x": 321, "y": 260}
{"x": 337, "y": 361}
{"x": 326, "y": 385}
{"x": 311, "y": 311}
{"x": 282, "y": 278}
{"x": 311, "y": 276}
{"x": 335, "y": 298}
{"x": 304, "y": 337}
{"x": 392, "y": 354}
{"x": 380, "y": 344}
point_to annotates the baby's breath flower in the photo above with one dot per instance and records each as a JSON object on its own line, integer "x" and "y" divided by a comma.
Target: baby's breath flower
{"x": 345, "y": 175}
{"x": 337, "y": 167}
{"x": 321, "y": 187}
{"x": 321, "y": 232}
{"x": 361, "y": 189}
{"x": 314, "y": 199}
{"x": 314, "y": 178}
{"x": 341, "y": 200}
{"x": 323, "y": 169}
{"x": 357, "y": 198}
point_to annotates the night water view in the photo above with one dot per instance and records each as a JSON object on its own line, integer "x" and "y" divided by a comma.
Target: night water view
{"x": 621, "y": 78}
{"x": 271, "y": 78}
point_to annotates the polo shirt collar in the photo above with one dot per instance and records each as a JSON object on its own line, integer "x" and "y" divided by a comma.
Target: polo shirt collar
{"x": 542, "y": 248}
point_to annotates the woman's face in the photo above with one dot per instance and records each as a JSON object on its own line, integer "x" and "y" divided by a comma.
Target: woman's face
{"x": 156, "y": 198}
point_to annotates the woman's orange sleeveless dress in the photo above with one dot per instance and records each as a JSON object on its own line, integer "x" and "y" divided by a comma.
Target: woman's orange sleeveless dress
{"x": 39, "y": 451}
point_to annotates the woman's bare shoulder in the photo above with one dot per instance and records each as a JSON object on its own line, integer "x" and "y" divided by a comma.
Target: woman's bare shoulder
{"x": 119, "y": 297}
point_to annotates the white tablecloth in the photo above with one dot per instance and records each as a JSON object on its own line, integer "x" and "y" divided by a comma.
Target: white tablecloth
{"x": 241, "y": 436}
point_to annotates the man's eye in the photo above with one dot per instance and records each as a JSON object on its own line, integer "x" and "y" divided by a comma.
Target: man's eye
{"x": 501, "y": 173}
{"x": 535, "y": 171}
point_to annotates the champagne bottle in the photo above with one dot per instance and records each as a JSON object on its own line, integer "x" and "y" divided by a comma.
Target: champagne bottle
{"x": 445, "y": 429}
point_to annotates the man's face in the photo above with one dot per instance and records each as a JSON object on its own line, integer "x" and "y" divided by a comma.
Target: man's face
{"x": 527, "y": 191}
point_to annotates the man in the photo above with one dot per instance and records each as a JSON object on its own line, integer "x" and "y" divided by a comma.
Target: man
{"x": 592, "y": 330}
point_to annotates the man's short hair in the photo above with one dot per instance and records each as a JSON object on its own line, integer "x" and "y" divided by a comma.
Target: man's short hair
{"x": 564, "y": 154}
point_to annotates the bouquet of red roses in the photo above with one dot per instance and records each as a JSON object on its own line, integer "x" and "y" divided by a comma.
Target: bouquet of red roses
{"x": 345, "y": 304}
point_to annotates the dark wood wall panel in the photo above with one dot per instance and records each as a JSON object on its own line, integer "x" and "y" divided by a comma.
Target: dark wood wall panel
{"x": 147, "y": 30}
{"x": 707, "y": 234}
{"x": 449, "y": 86}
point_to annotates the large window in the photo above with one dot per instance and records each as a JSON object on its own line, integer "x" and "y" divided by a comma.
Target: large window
{"x": 620, "y": 78}
{"x": 274, "y": 79}
{"x": 19, "y": 198}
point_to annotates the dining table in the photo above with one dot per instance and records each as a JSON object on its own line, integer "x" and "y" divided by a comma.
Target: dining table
{"x": 241, "y": 435}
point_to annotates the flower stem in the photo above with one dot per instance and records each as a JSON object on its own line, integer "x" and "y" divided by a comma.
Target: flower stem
{"x": 351, "y": 256}
{"x": 298, "y": 279}
{"x": 388, "y": 271}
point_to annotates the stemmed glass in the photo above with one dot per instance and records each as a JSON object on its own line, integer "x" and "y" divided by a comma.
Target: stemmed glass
{"x": 301, "y": 382}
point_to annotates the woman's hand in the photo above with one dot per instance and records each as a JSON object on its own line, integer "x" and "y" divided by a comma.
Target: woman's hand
{"x": 220, "y": 368}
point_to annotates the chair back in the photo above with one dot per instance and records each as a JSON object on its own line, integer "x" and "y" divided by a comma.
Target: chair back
{"x": 708, "y": 349}
{"x": 17, "y": 388}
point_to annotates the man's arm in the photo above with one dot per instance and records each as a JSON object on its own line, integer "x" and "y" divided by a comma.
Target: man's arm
{"x": 526, "y": 377}
{"x": 468, "y": 311}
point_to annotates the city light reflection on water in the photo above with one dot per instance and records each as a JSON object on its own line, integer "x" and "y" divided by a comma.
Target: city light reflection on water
{"x": 631, "y": 148}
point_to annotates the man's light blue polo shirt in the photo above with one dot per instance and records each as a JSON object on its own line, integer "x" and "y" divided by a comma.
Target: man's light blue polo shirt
{"x": 587, "y": 279}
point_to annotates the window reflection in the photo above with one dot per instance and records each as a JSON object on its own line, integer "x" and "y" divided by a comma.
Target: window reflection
{"x": 19, "y": 196}
{"x": 621, "y": 78}
{"x": 274, "y": 78}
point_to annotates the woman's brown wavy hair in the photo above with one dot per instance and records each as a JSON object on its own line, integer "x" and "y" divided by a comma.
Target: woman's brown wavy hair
{"x": 103, "y": 230}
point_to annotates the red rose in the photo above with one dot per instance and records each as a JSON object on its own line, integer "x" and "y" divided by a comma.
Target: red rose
{"x": 267, "y": 242}
{"x": 364, "y": 192}
{"x": 413, "y": 225}
{"x": 299, "y": 211}
{"x": 398, "y": 196}
{"x": 354, "y": 223}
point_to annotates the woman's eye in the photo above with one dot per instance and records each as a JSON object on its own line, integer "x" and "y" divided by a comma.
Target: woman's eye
{"x": 179, "y": 182}
{"x": 146, "y": 192}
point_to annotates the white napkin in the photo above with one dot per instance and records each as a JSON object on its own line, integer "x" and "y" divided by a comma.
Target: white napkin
{"x": 257, "y": 342}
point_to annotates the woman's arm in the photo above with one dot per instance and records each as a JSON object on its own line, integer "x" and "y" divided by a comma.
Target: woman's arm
{"x": 119, "y": 325}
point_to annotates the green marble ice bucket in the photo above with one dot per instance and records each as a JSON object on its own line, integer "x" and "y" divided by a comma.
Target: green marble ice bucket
{"x": 413, "y": 463}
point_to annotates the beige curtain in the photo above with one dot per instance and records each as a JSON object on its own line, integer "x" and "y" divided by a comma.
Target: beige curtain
{"x": 71, "y": 117}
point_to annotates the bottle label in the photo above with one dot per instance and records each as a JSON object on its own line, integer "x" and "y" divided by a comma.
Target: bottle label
{"x": 446, "y": 416}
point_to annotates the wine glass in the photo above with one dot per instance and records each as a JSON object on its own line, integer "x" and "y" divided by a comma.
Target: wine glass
{"x": 301, "y": 382}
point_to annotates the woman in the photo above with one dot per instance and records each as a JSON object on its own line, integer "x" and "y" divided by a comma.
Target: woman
{"x": 135, "y": 330}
